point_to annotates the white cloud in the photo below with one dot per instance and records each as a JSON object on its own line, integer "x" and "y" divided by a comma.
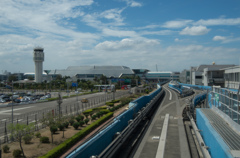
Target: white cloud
{"x": 42, "y": 17}
{"x": 127, "y": 44}
{"x": 219, "y": 38}
{"x": 177, "y": 40}
{"x": 119, "y": 33}
{"x": 162, "y": 32}
{"x": 195, "y": 30}
{"x": 113, "y": 14}
{"x": 203, "y": 22}
{"x": 225, "y": 39}
{"x": 177, "y": 23}
{"x": 133, "y": 3}
{"x": 219, "y": 21}
{"x": 148, "y": 27}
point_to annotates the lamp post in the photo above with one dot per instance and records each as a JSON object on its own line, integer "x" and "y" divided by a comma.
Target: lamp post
{"x": 59, "y": 101}
{"x": 12, "y": 102}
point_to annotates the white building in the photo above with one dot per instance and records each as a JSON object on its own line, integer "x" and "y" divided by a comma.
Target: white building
{"x": 232, "y": 77}
{"x": 38, "y": 58}
{"x": 208, "y": 74}
{"x": 185, "y": 76}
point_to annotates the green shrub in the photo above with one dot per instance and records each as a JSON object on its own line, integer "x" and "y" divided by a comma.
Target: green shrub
{"x": 87, "y": 112}
{"x": 27, "y": 138}
{"x": 60, "y": 149}
{"x": 146, "y": 91}
{"x": 17, "y": 153}
{"x": 86, "y": 121}
{"x": 66, "y": 124}
{"x": 81, "y": 123}
{"x": 115, "y": 101}
{"x": 76, "y": 125}
{"x": 71, "y": 121}
{"x": 98, "y": 115}
{"x": 44, "y": 140}
{"x": 104, "y": 111}
{"x": 5, "y": 148}
{"x": 53, "y": 129}
{"x": 61, "y": 127}
{"x": 109, "y": 104}
{"x": 38, "y": 134}
{"x": 94, "y": 117}
{"x": 79, "y": 118}
{"x": 125, "y": 100}
{"x": 52, "y": 99}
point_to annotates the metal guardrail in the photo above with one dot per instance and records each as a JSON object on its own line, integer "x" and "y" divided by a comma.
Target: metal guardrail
{"x": 227, "y": 101}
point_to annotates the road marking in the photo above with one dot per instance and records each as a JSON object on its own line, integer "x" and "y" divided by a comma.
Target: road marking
{"x": 170, "y": 97}
{"x": 1, "y": 112}
{"x": 162, "y": 142}
{"x": 14, "y": 113}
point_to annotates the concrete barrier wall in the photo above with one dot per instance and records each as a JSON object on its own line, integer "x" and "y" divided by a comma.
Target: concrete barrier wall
{"x": 175, "y": 88}
{"x": 98, "y": 143}
{"x": 197, "y": 86}
{"x": 217, "y": 147}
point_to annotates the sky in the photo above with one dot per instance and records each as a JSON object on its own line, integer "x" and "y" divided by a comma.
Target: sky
{"x": 163, "y": 35}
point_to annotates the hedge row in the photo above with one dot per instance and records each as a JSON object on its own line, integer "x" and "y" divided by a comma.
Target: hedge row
{"x": 87, "y": 112}
{"x": 59, "y": 150}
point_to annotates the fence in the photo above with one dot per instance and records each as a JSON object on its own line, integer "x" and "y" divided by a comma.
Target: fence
{"x": 74, "y": 108}
{"x": 227, "y": 101}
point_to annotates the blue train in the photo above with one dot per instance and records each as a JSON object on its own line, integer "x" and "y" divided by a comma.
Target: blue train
{"x": 100, "y": 141}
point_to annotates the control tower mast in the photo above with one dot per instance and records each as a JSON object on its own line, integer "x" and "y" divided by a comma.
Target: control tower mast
{"x": 38, "y": 58}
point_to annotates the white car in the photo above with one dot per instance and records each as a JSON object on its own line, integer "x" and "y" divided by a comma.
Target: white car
{"x": 2, "y": 100}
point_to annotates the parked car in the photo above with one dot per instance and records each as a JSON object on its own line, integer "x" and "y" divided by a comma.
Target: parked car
{"x": 2, "y": 100}
{"x": 17, "y": 100}
{"x": 84, "y": 100}
{"x": 6, "y": 98}
{"x": 48, "y": 95}
{"x": 43, "y": 98}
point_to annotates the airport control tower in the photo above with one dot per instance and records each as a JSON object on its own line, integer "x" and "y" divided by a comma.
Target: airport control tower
{"x": 38, "y": 58}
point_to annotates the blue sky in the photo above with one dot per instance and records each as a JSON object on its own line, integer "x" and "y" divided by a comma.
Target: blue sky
{"x": 139, "y": 34}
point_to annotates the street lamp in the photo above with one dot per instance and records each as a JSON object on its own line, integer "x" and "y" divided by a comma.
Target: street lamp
{"x": 59, "y": 101}
{"x": 12, "y": 102}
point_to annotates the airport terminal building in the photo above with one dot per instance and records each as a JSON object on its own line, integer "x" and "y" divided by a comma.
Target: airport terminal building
{"x": 91, "y": 72}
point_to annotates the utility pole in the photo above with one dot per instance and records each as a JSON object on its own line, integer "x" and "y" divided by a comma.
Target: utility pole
{"x": 12, "y": 101}
{"x": 59, "y": 101}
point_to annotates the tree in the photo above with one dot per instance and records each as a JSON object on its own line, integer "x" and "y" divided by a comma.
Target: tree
{"x": 59, "y": 77}
{"x": 30, "y": 78}
{"x": 61, "y": 123}
{"x": 50, "y": 121}
{"x": 12, "y": 78}
{"x": 104, "y": 79}
{"x": 19, "y": 130}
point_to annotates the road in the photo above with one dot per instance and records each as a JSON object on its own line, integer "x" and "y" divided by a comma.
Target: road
{"x": 174, "y": 144}
{"x": 29, "y": 113}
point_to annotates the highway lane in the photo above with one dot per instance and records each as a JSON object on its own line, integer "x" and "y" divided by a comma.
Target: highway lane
{"x": 34, "y": 112}
{"x": 28, "y": 108}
